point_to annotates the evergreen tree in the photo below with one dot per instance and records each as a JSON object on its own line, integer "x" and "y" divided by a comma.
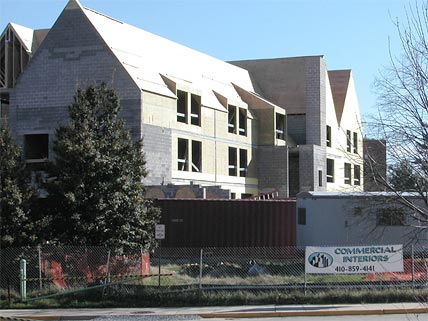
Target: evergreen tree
{"x": 16, "y": 226}
{"x": 97, "y": 193}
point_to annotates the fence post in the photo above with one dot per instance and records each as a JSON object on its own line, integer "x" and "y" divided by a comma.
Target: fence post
{"x": 23, "y": 274}
{"x": 39, "y": 248}
{"x": 159, "y": 267}
{"x": 413, "y": 267}
{"x": 200, "y": 268}
{"x": 305, "y": 282}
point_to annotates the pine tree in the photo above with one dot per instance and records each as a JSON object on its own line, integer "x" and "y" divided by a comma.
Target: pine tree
{"x": 96, "y": 197}
{"x": 16, "y": 226}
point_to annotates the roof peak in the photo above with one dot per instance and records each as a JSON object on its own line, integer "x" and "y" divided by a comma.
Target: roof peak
{"x": 73, "y": 4}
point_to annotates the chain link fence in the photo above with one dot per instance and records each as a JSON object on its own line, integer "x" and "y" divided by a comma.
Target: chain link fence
{"x": 51, "y": 270}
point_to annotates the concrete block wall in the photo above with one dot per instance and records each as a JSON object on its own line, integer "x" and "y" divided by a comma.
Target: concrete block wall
{"x": 315, "y": 70}
{"x": 72, "y": 55}
{"x": 296, "y": 128}
{"x": 273, "y": 169}
{"x": 312, "y": 159}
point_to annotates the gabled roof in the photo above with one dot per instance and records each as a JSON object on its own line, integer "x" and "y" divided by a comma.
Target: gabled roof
{"x": 29, "y": 38}
{"x": 146, "y": 57}
{"x": 339, "y": 83}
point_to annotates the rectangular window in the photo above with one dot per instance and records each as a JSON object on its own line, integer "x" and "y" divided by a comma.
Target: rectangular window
{"x": 183, "y": 152}
{"x": 36, "y": 147}
{"x": 330, "y": 170}
{"x": 328, "y": 136}
{"x": 320, "y": 178}
{"x": 301, "y": 216}
{"x": 242, "y": 122}
{"x": 231, "y": 122}
{"x": 355, "y": 143}
{"x": 390, "y": 216}
{"x": 243, "y": 162}
{"x": 181, "y": 106}
{"x": 196, "y": 156}
{"x": 347, "y": 173}
{"x": 348, "y": 140}
{"x": 357, "y": 175}
{"x": 195, "y": 110}
{"x": 280, "y": 126}
{"x": 232, "y": 161}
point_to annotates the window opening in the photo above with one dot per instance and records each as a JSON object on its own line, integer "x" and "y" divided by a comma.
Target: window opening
{"x": 231, "y": 124}
{"x": 390, "y": 217}
{"x": 183, "y": 154}
{"x": 301, "y": 216}
{"x": 347, "y": 173}
{"x": 243, "y": 162}
{"x": 348, "y": 140}
{"x": 196, "y": 156}
{"x": 319, "y": 177}
{"x": 242, "y": 122}
{"x": 357, "y": 174}
{"x": 355, "y": 143}
{"x": 330, "y": 170}
{"x": 328, "y": 134}
{"x": 232, "y": 161}
{"x": 36, "y": 147}
{"x": 181, "y": 106}
{"x": 280, "y": 126}
{"x": 195, "y": 110}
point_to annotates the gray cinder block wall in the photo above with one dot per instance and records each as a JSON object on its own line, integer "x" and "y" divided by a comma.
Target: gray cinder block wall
{"x": 74, "y": 55}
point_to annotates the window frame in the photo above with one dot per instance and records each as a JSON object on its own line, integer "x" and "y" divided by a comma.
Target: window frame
{"x": 182, "y": 102}
{"x": 280, "y": 126}
{"x": 328, "y": 136}
{"x": 233, "y": 161}
{"x": 242, "y": 121}
{"x": 347, "y": 170}
{"x": 348, "y": 141}
{"x": 196, "y": 153}
{"x": 243, "y": 162}
{"x": 195, "y": 110}
{"x": 330, "y": 175}
{"x": 357, "y": 175}
{"x": 355, "y": 142}
{"x": 183, "y": 163}
{"x": 231, "y": 119}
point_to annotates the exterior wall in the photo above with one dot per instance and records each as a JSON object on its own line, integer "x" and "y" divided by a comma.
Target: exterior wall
{"x": 311, "y": 161}
{"x": 273, "y": 169}
{"x": 350, "y": 220}
{"x": 72, "y": 56}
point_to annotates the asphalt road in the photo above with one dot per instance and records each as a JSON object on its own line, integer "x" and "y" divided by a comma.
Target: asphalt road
{"x": 384, "y": 317}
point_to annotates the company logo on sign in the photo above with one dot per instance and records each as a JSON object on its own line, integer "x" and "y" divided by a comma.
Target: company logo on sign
{"x": 320, "y": 260}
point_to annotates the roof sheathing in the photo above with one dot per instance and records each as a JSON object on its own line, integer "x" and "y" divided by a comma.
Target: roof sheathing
{"x": 146, "y": 56}
{"x": 339, "y": 83}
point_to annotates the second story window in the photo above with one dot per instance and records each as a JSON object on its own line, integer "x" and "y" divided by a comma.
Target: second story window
{"x": 348, "y": 141}
{"x": 181, "y": 106}
{"x": 196, "y": 156}
{"x": 183, "y": 154}
{"x": 347, "y": 173}
{"x": 242, "y": 122}
{"x": 357, "y": 175}
{"x": 243, "y": 162}
{"x": 231, "y": 119}
{"x": 233, "y": 161}
{"x": 195, "y": 110}
{"x": 330, "y": 170}
{"x": 355, "y": 143}
{"x": 280, "y": 126}
{"x": 328, "y": 134}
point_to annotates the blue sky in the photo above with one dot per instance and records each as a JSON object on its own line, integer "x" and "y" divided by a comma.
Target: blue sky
{"x": 352, "y": 34}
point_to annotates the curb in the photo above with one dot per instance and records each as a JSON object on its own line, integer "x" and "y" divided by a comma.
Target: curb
{"x": 310, "y": 313}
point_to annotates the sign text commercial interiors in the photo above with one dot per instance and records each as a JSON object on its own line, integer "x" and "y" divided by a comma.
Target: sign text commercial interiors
{"x": 355, "y": 259}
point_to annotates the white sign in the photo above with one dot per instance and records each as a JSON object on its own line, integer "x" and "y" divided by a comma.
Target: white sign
{"x": 160, "y": 231}
{"x": 354, "y": 259}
